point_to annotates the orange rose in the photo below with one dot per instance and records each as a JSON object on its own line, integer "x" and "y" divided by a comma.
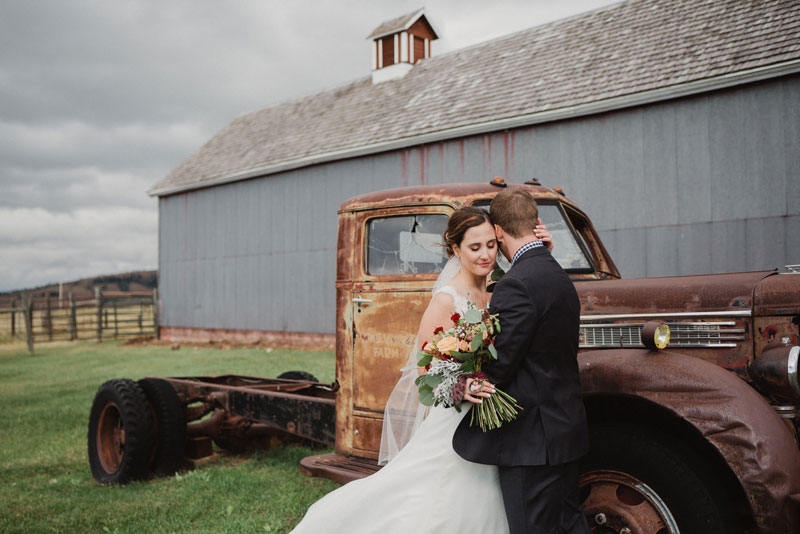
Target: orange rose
{"x": 447, "y": 344}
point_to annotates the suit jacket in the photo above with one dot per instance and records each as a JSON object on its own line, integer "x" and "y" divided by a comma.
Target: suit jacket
{"x": 537, "y": 364}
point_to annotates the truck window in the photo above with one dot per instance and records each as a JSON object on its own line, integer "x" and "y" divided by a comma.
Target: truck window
{"x": 567, "y": 251}
{"x": 408, "y": 244}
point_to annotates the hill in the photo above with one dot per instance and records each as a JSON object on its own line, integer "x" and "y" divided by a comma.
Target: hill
{"x": 84, "y": 288}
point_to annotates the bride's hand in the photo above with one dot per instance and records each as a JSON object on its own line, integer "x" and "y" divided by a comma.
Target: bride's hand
{"x": 477, "y": 389}
{"x": 541, "y": 232}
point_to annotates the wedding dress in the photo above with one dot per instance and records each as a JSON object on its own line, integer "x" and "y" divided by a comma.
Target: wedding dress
{"x": 425, "y": 488}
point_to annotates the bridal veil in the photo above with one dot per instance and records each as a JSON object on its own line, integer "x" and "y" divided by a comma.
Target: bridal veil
{"x": 404, "y": 413}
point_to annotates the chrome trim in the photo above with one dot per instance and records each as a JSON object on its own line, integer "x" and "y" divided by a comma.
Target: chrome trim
{"x": 662, "y": 508}
{"x": 705, "y": 335}
{"x": 645, "y": 316}
{"x": 608, "y": 335}
{"x": 695, "y": 334}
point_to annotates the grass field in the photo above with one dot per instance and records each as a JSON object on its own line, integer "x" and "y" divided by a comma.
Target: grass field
{"x": 45, "y": 481}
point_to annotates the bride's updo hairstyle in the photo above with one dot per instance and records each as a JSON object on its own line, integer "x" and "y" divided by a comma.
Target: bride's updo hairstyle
{"x": 459, "y": 222}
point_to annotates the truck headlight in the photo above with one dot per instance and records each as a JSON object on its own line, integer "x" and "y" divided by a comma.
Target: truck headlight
{"x": 655, "y": 335}
{"x": 776, "y": 369}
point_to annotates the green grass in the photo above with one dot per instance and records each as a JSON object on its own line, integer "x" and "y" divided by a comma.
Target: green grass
{"x": 45, "y": 481}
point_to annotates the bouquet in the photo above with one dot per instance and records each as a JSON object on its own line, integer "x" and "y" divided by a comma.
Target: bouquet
{"x": 459, "y": 353}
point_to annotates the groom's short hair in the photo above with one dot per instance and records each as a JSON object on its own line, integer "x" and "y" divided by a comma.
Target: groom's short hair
{"x": 515, "y": 211}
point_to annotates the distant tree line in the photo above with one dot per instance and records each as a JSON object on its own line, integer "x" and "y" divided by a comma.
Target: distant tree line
{"x": 85, "y": 287}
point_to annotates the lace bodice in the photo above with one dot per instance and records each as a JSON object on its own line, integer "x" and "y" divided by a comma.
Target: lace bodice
{"x": 460, "y": 302}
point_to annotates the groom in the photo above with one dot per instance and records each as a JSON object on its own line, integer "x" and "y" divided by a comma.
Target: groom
{"x": 537, "y": 453}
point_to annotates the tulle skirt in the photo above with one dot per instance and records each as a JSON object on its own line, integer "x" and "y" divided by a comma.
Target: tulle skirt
{"x": 426, "y": 488}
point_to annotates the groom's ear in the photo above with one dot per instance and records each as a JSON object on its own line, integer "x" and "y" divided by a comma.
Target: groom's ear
{"x": 498, "y": 232}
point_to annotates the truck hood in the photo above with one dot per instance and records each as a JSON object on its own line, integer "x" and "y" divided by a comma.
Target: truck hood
{"x": 760, "y": 292}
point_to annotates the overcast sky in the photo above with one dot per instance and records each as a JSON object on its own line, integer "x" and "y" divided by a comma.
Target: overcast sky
{"x": 101, "y": 99}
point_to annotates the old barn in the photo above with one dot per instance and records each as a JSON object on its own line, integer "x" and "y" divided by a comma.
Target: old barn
{"x": 674, "y": 124}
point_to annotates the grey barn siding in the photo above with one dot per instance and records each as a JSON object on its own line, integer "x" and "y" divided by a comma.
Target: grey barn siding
{"x": 708, "y": 183}
{"x": 252, "y": 255}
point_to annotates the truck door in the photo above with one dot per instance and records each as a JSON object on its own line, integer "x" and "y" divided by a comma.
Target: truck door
{"x": 402, "y": 256}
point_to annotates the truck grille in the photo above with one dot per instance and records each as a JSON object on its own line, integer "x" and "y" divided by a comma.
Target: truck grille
{"x": 722, "y": 334}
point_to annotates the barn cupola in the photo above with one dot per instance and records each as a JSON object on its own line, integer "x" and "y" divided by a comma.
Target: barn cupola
{"x": 399, "y": 43}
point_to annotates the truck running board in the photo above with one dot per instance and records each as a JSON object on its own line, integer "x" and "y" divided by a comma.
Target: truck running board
{"x": 339, "y": 468}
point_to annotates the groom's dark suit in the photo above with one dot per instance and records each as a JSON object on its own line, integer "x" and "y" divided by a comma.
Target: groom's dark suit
{"x": 537, "y": 364}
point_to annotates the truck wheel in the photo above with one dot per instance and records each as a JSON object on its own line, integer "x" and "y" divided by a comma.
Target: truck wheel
{"x": 642, "y": 481}
{"x": 169, "y": 426}
{"x": 120, "y": 433}
{"x": 298, "y": 375}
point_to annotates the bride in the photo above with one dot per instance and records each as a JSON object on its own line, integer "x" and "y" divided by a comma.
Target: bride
{"x": 426, "y": 487}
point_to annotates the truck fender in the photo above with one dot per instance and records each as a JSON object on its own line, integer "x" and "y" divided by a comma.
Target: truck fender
{"x": 754, "y": 441}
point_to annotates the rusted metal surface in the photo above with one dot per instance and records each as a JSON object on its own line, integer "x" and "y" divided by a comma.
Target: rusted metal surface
{"x": 711, "y": 315}
{"x": 377, "y": 319}
{"x": 617, "y": 501}
{"x": 110, "y": 438}
{"x": 250, "y": 407}
{"x": 337, "y": 467}
{"x": 455, "y": 195}
{"x": 777, "y": 295}
{"x": 725, "y": 410}
{"x": 702, "y": 294}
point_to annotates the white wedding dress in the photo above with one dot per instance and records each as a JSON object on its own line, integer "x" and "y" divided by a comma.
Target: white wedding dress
{"x": 426, "y": 488}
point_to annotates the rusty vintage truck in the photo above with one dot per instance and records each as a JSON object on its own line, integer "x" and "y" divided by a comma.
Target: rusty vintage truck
{"x": 700, "y": 435}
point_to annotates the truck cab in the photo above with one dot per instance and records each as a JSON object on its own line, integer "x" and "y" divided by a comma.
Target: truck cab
{"x": 698, "y": 435}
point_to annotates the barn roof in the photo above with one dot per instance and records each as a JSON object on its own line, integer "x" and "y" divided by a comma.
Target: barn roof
{"x": 399, "y": 24}
{"x": 630, "y": 53}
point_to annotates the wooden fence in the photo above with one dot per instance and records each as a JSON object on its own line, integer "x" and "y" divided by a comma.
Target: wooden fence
{"x": 109, "y": 315}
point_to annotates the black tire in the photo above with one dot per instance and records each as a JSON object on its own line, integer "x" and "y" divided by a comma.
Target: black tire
{"x": 169, "y": 426}
{"x": 298, "y": 375}
{"x": 642, "y": 479}
{"x": 120, "y": 436}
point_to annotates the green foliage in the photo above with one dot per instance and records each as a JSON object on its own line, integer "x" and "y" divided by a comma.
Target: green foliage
{"x": 497, "y": 274}
{"x": 473, "y": 316}
{"x": 45, "y": 481}
{"x": 425, "y": 358}
{"x": 426, "y": 395}
{"x": 427, "y": 383}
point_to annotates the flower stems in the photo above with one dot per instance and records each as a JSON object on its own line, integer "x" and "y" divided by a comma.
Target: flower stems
{"x": 494, "y": 411}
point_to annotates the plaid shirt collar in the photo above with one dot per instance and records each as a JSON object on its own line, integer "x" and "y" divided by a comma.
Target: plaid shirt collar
{"x": 525, "y": 248}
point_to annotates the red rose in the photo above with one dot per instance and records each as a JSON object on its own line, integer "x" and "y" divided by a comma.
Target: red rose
{"x": 437, "y": 330}
{"x": 425, "y": 344}
{"x": 455, "y": 317}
